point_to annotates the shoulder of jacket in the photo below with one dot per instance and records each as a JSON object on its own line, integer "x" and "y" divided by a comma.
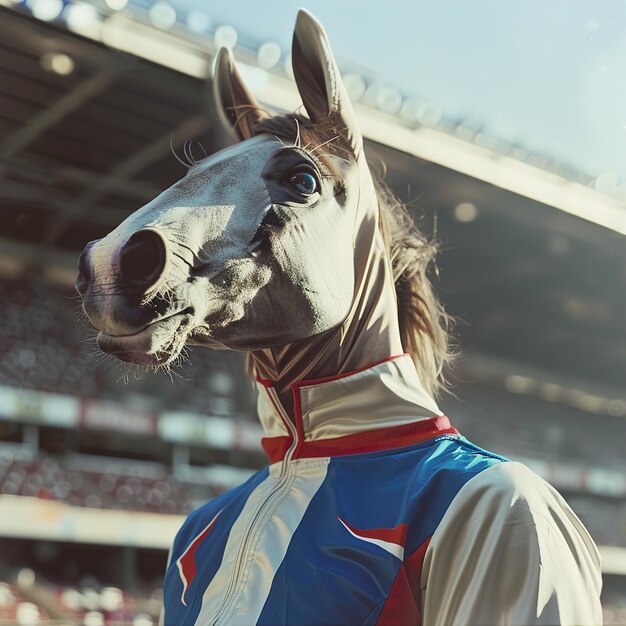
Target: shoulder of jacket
{"x": 508, "y": 482}
{"x": 510, "y": 498}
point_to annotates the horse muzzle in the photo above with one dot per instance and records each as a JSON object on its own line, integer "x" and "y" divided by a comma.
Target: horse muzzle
{"x": 119, "y": 283}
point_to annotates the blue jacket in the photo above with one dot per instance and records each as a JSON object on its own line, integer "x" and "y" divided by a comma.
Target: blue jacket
{"x": 374, "y": 510}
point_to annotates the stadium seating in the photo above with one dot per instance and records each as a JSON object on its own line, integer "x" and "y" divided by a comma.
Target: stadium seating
{"x": 525, "y": 426}
{"x": 47, "y": 345}
{"x": 42, "y": 348}
{"x": 15, "y": 609}
{"x": 49, "y": 478}
{"x": 41, "y": 602}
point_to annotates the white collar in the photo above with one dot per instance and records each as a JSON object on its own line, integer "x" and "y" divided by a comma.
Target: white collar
{"x": 385, "y": 396}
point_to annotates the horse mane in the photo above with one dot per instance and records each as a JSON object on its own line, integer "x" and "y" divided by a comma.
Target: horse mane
{"x": 425, "y": 327}
{"x": 424, "y": 324}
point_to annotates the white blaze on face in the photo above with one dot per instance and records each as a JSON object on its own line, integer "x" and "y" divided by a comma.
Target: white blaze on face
{"x": 216, "y": 208}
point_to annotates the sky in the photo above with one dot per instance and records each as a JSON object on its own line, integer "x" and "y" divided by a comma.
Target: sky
{"x": 548, "y": 75}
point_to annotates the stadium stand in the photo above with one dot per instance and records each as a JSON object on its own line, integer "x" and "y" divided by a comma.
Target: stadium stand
{"x": 32, "y": 601}
{"x": 42, "y": 348}
{"x": 46, "y": 478}
{"x": 15, "y": 609}
{"x": 46, "y": 347}
{"x": 536, "y": 428}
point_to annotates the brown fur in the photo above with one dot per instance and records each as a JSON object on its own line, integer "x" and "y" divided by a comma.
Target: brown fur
{"x": 424, "y": 324}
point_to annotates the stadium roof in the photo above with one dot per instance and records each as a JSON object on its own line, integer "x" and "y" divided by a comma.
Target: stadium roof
{"x": 86, "y": 122}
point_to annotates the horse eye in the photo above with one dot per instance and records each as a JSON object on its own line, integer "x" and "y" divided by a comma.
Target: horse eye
{"x": 304, "y": 182}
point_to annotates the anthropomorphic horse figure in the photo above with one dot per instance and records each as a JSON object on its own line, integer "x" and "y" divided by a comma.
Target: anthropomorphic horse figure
{"x": 373, "y": 509}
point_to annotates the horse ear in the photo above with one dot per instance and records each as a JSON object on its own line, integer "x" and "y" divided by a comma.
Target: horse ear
{"x": 318, "y": 79}
{"x": 237, "y": 109}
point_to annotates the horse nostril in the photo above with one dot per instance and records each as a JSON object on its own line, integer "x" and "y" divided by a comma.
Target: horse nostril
{"x": 142, "y": 259}
{"x": 84, "y": 271}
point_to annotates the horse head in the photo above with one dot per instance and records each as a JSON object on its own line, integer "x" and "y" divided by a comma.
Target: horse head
{"x": 276, "y": 241}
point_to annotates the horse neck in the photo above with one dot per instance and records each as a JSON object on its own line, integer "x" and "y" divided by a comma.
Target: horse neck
{"x": 369, "y": 334}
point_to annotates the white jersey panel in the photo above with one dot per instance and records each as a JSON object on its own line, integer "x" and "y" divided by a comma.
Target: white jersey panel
{"x": 509, "y": 550}
{"x": 258, "y": 542}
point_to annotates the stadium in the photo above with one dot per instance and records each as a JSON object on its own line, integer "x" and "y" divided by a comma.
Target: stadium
{"x": 100, "y": 463}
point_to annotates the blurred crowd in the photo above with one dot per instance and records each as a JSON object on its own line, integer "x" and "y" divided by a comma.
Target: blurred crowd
{"x": 150, "y": 487}
{"x": 30, "y": 601}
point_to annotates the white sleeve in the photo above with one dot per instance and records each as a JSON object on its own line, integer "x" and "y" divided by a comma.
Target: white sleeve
{"x": 510, "y": 551}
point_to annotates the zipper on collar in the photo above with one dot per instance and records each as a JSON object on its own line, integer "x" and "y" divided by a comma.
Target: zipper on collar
{"x": 291, "y": 427}
{"x": 259, "y": 516}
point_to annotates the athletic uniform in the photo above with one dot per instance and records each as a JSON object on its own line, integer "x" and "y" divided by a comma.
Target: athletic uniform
{"x": 375, "y": 510}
